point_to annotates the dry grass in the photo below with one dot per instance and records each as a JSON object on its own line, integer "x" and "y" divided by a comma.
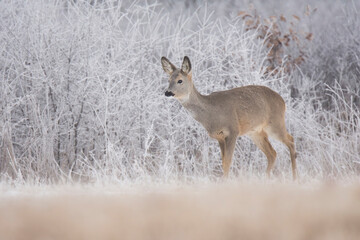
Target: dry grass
{"x": 222, "y": 211}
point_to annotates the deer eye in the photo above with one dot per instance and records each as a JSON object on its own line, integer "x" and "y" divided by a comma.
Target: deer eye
{"x": 180, "y": 81}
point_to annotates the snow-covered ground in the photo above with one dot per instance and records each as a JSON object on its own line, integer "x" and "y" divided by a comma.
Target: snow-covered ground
{"x": 251, "y": 210}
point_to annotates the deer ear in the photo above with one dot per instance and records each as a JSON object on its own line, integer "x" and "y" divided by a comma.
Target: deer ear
{"x": 168, "y": 67}
{"x": 186, "y": 65}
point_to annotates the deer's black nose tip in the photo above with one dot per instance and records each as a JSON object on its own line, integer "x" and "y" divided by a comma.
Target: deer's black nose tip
{"x": 169, "y": 94}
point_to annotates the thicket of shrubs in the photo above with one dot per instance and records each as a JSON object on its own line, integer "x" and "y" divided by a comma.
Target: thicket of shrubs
{"x": 82, "y": 88}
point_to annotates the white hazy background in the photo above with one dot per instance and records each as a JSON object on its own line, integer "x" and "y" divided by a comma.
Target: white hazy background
{"x": 82, "y": 89}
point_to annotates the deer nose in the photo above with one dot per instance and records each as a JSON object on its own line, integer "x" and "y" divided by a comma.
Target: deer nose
{"x": 169, "y": 94}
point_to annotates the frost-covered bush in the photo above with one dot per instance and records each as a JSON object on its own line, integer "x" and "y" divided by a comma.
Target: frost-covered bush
{"x": 82, "y": 94}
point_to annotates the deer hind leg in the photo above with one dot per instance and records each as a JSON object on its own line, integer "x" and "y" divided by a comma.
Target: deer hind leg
{"x": 281, "y": 134}
{"x": 288, "y": 140}
{"x": 227, "y": 147}
{"x": 261, "y": 140}
{"x": 290, "y": 144}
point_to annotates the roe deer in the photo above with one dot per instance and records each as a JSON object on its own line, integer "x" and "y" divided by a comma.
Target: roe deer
{"x": 256, "y": 111}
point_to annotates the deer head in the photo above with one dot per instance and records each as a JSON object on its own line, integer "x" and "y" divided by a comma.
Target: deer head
{"x": 180, "y": 82}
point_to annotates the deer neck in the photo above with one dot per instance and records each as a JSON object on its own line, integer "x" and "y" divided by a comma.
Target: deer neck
{"x": 195, "y": 103}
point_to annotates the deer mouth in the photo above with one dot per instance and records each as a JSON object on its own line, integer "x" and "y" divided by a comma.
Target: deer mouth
{"x": 169, "y": 94}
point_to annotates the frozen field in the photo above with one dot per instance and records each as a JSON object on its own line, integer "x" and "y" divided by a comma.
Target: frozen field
{"x": 216, "y": 211}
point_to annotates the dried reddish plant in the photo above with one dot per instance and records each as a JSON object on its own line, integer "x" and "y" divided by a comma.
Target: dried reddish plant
{"x": 280, "y": 35}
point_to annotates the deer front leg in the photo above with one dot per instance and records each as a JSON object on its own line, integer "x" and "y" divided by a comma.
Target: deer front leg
{"x": 227, "y": 152}
{"x": 222, "y": 148}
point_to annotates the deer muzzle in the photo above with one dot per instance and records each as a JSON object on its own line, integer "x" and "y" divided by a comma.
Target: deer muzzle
{"x": 169, "y": 94}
